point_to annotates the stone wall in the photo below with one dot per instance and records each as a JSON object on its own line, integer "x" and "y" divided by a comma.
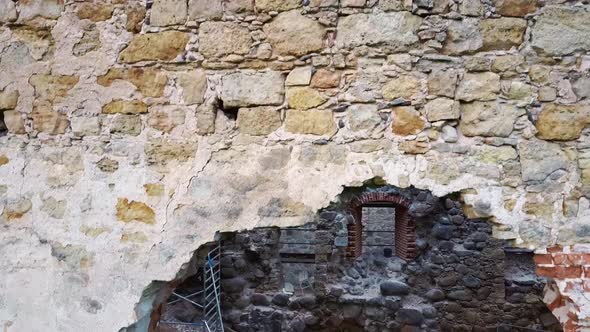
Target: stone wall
{"x": 132, "y": 131}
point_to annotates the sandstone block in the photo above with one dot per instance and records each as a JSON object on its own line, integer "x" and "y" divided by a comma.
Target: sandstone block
{"x": 8, "y": 99}
{"x": 258, "y": 121}
{"x": 4, "y": 160}
{"x": 168, "y": 12}
{"x": 443, "y": 82}
{"x": 277, "y": 5}
{"x": 14, "y": 122}
{"x": 16, "y": 209}
{"x": 149, "y": 81}
{"x": 46, "y": 120}
{"x": 125, "y": 107}
{"x": 442, "y": 109}
{"x": 540, "y": 158}
{"x": 108, "y": 165}
{"x": 561, "y": 31}
{"x": 316, "y": 122}
{"x": 502, "y": 33}
{"x": 304, "y": 98}
{"x": 134, "y": 211}
{"x": 398, "y": 30}
{"x": 85, "y": 126}
{"x": 488, "y": 119}
{"x": 247, "y": 88}
{"x": 166, "y": 119}
{"x": 194, "y": 86}
{"x": 406, "y": 121}
{"x": 363, "y": 117}
{"x": 299, "y": 76}
{"x": 325, "y": 79}
{"x": 463, "y": 37}
{"x": 562, "y": 122}
{"x": 126, "y": 124}
{"x": 95, "y": 12}
{"x": 217, "y": 39}
{"x": 517, "y": 8}
{"x": 239, "y": 6}
{"x": 7, "y": 11}
{"x": 135, "y": 17}
{"x": 205, "y": 9}
{"x": 547, "y": 93}
{"x": 51, "y": 88}
{"x": 291, "y": 33}
{"x": 401, "y": 87}
{"x": 161, "y": 151}
{"x": 414, "y": 147}
{"x": 165, "y": 46}
{"x": 89, "y": 42}
{"x": 479, "y": 86}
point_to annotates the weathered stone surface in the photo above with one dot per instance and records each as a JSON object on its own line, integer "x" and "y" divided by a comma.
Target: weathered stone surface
{"x": 463, "y": 37}
{"x": 502, "y": 33}
{"x": 154, "y": 189}
{"x": 299, "y": 76}
{"x": 245, "y": 89}
{"x": 135, "y": 17}
{"x": 406, "y": 121}
{"x": 149, "y": 81}
{"x": 443, "y": 83}
{"x": 394, "y": 287}
{"x": 94, "y": 11}
{"x": 14, "y": 122}
{"x": 471, "y": 8}
{"x": 125, "y": 107}
{"x": 126, "y": 124}
{"x": 206, "y": 116}
{"x": 51, "y": 88}
{"x": 32, "y": 9}
{"x": 397, "y": 30}
{"x": 315, "y": 122}
{"x": 515, "y": 7}
{"x": 48, "y": 121}
{"x": 194, "y": 85}
{"x": 493, "y": 155}
{"x": 304, "y": 98}
{"x": 16, "y": 209}
{"x": 239, "y": 6}
{"x": 478, "y": 86}
{"x": 165, "y": 46}
{"x": 54, "y": 208}
{"x": 449, "y": 134}
{"x": 276, "y": 5}
{"x": 507, "y": 63}
{"x": 8, "y": 99}
{"x": 581, "y": 87}
{"x": 363, "y": 117}
{"x": 291, "y": 33}
{"x": 258, "y": 121}
{"x": 401, "y": 87}
{"x": 217, "y": 39}
{"x": 562, "y": 122}
{"x": 107, "y": 165}
{"x": 169, "y": 12}
{"x": 134, "y": 211}
{"x": 7, "y": 11}
{"x": 161, "y": 152}
{"x": 166, "y": 119}
{"x": 85, "y": 126}
{"x": 561, "y": 31}
{"x": 325, "y": 79}
{"x": 539, "y": 159}
{"x": 442, "y": 109}
{"x": 205, "y": 9}
{"x": 89, "y": 42}
{"x": 488, "y": 119}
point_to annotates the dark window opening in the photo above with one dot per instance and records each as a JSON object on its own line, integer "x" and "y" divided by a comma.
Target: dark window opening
{"x": 3, "y": 128}
{"x": 378, "y": 231}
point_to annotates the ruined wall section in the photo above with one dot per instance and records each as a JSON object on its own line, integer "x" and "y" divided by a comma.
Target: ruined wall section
{"x": 131, "y": 132}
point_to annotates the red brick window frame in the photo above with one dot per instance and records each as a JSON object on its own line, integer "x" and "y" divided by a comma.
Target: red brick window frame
{"x": 405, "y": 228}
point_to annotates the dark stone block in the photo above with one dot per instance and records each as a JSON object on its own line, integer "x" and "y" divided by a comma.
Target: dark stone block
{"x": 280, "y": 300}
{"x": 435, "y": 295}
{"x": 260, "y": 299}
{"x": 443, "y": 232}
{"x": 233, "y": 285}
{"x": 460, "y": 295}
{"x": 471, "y": 282}
{"x": 393, "y": 287}
{"x": 409, "y": 316}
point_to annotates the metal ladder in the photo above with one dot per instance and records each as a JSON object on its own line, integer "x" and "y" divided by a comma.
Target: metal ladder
{"x": 211, "y": 288}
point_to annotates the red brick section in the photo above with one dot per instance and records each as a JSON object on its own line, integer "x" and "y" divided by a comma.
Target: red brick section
{"x": 571, "y": 270}
{"x": 405, "y": 228}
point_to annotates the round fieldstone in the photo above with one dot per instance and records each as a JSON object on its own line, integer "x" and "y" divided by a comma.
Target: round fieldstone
{"x": 435, "y": 295}
{"x": 394, "y": 287}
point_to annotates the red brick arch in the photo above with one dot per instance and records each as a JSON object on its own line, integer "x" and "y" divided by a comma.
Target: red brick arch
{"x": 405, "y": 228}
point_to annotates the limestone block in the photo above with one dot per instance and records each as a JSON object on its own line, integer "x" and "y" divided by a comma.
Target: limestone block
{"x": 397, "y": 30}
{"x": 162, "y": 151}
{"x": 276, "y": 5}
{"x": 134, "y": 211}
{"x": 52, "y": 88}
{"x": 291, "y": 33}
{"x": 325, "y": 79}
{"x": 406, "y": 121}
{"x": 126, "y": 124}
{"x": 479, "y": 86}
{"x": 581, "y": 87}
{"x": 46, "y": 120}
{"x": 540, "y": 158}
{"x": 14, "y": 122}
{"x": 194, "y": 86}
{"x": 149, "y": 81}
{"x": 442, "y": 109}
{"x": 304, "y": 98}
{"x": 243, "y": 89}
{"x": 168, "y": 12}
{"x": 31, "y": 9}
{"x": 8, "y": 99}
{"x": 561, "y": 31}
{"x": 353, "y": 3}
{"x": 449, "y": 134}
{"x": 463, "y": 37}
{"x": 85, "y": 126}
{"x": 239, "y": 6}
{"x": 166, "y": 119}
{"x": 488, "y": 119}
{"x": 206, "y": 117}
{"x": 54, "y": 208}
{"x": 315, "y": 122}
{"x": 507, "y": 62}
{"x": 217, "y": 39}
{"x": 125, "y": 107}
{"x": 443, "y": 82}
{"x": 471, "y": 8}
{"x": 89, "y": 42}
{"x": 562, "y": 122}
{"x": 363, "y": 117}
{"x": 7, "y": 11}
{"x": 205, "y": 9}
{"x": 502, "y": 33}
{"x": 515, "y": 7}
{"x": 405, "y": 86}
{"x": 258, "y": 121}
{"x": 299, "y": 76}
{"x": 547, "y": 93}
{"x": 165, "y": 46}
{"x": 94, "y": 11}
